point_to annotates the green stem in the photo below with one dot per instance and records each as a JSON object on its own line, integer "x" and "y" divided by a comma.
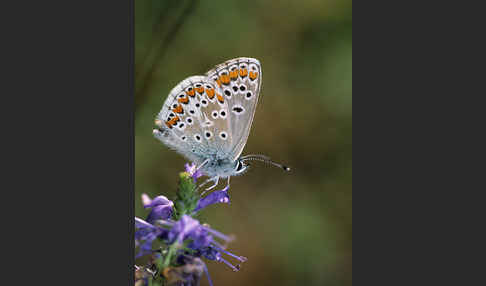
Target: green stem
{"x": 172, "y": 249}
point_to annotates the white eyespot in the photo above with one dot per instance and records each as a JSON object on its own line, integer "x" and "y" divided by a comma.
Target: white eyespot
{"x": 208, "y": 134}
{"x": 208, "y": 86}
{"x": 174, "y": 105}
{"x": 243, "y": 66}
{"x": 227, "y": 92}
{"x": 233, "y": 67}
{"x": 242, "y": 88}
{"x": 248, "y": 95}
{"x": 189, "y": 121}
{"x": 189, "y": 88}
{"x": 204, "y": 102}
{"x": 197, "y": 85}
{"x": 215, "y": 78}
{"x": 223, "y": 135}
{"x": 214, "y": 114}
{"x": 197, "y": 137}
{"x": 192, "y": 111}
{"x": 223, "y": 72}
{"x": 181, "y": 95}
{"x": 184, "y": 138}
{"x": 198, "y": 105}
{"x": 235, "y": 89}
{"x": 238, "y": 109}
{"x": 253, "y": 67}
{"x": 223, "y": 113}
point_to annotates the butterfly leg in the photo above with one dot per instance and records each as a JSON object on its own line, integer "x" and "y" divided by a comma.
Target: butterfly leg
{"x": 216, "y": 181}
{"x": 202, "y": 164}
{"x": 213, "y": 179}
{"x": 205, "y": 183}
{"x": 228, "y": 184}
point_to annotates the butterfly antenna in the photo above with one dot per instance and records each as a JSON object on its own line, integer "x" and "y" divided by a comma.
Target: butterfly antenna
{"x": 264, "y": 159}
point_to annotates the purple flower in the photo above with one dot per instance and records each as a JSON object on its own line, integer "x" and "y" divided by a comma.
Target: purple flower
{"x": 201, "y": 240}
{"x": 145, "y": 234}
{"x": 191, "y": 169}
{"x": 213, "y": 198}
{"x": 162, "y": 208}
{"x": 186, "y": 227}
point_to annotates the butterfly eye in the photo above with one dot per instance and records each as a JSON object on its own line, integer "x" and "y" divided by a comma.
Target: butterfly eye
{"x": 223, "y": 135}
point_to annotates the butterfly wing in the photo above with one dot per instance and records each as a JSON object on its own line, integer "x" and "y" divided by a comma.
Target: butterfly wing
{"x": 239, "y": 80}
{"x": 194, "y": 120}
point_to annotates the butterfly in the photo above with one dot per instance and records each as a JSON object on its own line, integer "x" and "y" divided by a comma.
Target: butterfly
{"x": 207, "y": 119}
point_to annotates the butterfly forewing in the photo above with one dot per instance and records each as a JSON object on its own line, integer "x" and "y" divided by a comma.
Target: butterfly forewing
{"x": 239, "y": 81}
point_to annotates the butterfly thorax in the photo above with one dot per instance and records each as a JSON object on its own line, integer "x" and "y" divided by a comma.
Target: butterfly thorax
{"x": 222, "y": 168}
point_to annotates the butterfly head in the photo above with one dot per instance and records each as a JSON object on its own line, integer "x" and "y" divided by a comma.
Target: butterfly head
{"x": 241, "y": 166}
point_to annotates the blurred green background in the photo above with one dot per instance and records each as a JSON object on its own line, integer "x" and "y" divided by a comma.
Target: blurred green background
{"x": 295, "y": 228}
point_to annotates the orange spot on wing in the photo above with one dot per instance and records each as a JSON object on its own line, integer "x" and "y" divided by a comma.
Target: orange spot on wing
{"x": 191, "y": 92}
{"x": 234, "y": 74}
{"x": 253, "y": 75}
{"x": 184, "y": 100}
{"x": 220, "y": 97}
{"x": 225, "y": 79}
{"x": 210, "y": 93}
{"x": 178, "y": 109}
{"x": 243, "y": 72}
{"x": 200, "y": 89}
{"x": 172, "y": 121}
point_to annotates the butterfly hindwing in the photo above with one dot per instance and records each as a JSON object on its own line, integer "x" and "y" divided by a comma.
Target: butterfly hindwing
{"x": 194, "y": 119}
{"x": 239, "y": 81}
